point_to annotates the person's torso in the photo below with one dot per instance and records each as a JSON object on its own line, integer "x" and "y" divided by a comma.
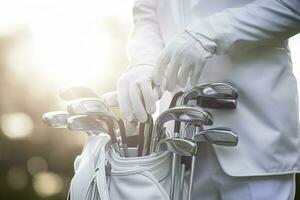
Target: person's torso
{"x": 267, "y": 109}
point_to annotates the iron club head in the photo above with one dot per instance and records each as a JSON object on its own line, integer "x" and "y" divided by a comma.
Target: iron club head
{"x": 89, "y": 123}
{"x": 212, "y": 95}
{"x": 87, "y": 106}
{"x": 189, "y": 114}
{"x": 96, "y": 107}
{"x": 56, "y": 119}
{"x": 179, "y": 146}
{"x": 219, "y": 136}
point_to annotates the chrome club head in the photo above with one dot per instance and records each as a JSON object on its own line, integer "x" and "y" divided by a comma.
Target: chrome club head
{"x": 220, "y": 90}
{"x": 94, "y": 124}
{"x": 74, "y": 92}
{"x": 97, "y": 108}
{"x": 212, "y": 95}
{"x": 193, "y": 115}
{"x": 219, "y": 136}
{"x": 87, "y": 106}
{"x": 86, "y": 123}
{"x": 56, "y": 119}
{"x": 179, "y": 146}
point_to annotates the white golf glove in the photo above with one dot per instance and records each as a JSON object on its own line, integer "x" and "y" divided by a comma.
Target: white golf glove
{"x": 136, "y": 94}
{"x": 183, "y": 58}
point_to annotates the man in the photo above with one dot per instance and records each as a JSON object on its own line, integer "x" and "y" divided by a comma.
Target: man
{"x": 243, "y": 43}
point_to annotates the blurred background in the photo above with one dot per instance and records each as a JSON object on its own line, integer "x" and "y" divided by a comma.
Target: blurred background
{"x": 45, "y": 45}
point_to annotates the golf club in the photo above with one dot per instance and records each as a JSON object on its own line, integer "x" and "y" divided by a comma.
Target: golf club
{"x": 59, "y": 119}
{"x": 177, "y": 145}
{"x": 190, "y": 114}
{"x": 94, "y": 123}
{"x": 94, "y": 106}
{"x": 219, "y": 136}
{"x": 56, "y": 119}
{"x": 211, "y": 95}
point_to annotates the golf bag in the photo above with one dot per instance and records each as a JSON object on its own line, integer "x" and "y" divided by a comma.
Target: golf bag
{"x": 100, "y": 173}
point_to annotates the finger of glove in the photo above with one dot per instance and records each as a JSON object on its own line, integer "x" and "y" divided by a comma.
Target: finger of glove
{"x": 148, "y": 95}
{"x": 172, "y": 73}
{"x": 195, "y": 75}
{"x": 124, "y": 101}
{"x": 184, "y": 72}
{"x": 160, "y": 68}
{"x": 137, "y": 103}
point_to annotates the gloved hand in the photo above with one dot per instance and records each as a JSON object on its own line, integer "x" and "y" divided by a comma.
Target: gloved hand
{"x": 181, "y": 59}
{"x": 136, "y": 94}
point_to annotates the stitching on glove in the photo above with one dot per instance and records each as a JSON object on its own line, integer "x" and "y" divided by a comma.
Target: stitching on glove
{"x": 207, "y": 49}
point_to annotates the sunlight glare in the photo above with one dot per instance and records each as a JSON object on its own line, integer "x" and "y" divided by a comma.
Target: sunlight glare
{"x": 73, "y": 56}
{"x": 16, "y": 125}
{"x": 47, "y": 184}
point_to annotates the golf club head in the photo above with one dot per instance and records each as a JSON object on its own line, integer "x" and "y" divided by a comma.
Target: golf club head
{"x": 94, "y": 124}
{"x": 211, "y": 102}
{"x": 111, "y": 99}
{"x": 220, "y": 90}
{"x": 86, "y": 123}
{"x": 179, "y": 146}
{"x": 219, "y": 136}
{"x": 194, "y": 115}
{"x": 87, "y": 106}
{"x": 212, "y": 95}
{"x": 56, "y": 119}
{"x": 74, "y": 92}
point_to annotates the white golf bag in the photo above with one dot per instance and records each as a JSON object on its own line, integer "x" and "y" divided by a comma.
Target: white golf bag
{"x": 101, "y": 174}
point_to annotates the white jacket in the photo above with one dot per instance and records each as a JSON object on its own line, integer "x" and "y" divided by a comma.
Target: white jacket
{"x": 252, "y": 55}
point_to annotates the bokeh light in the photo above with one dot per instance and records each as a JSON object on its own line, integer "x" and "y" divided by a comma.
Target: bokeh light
{"x": 17, "y": 178}
{"x": 16, "y": 125}
{"x": 47, "y": 184}
{"x": 36, "y": 164}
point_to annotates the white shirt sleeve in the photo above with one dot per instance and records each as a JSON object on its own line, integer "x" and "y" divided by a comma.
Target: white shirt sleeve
{"x": 264, "y": 22}
{"x": 145, "y": 41}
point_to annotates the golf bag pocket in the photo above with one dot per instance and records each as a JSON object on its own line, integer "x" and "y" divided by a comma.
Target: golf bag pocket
{"x": 146, "y": 178}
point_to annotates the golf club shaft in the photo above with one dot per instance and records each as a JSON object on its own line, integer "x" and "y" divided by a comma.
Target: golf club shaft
{"x": 181, "y": 182}
{"x": 147, "y": 132}
{"x": 141, "y": 139}
{"x": 123, "y": 137}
